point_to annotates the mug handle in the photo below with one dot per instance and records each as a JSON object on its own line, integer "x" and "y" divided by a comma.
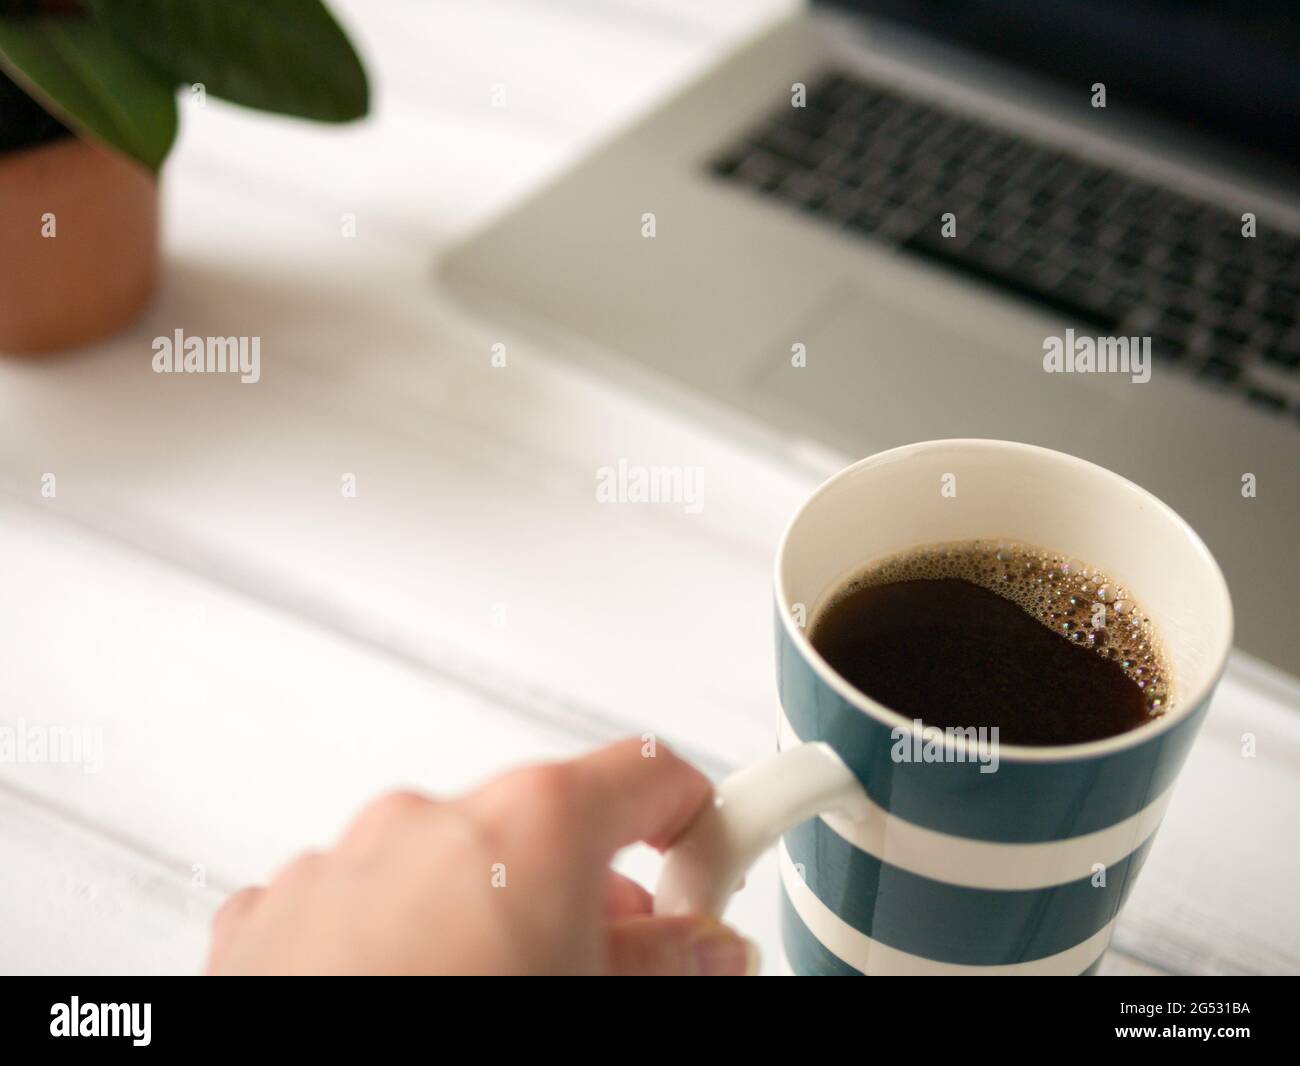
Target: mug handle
{"x": 749, "y": 812}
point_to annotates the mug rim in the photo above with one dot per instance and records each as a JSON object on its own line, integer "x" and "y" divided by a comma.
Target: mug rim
{"x": 1046, "y": 753}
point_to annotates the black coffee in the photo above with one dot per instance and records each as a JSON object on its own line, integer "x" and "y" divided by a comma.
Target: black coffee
{"x": 978, "y": 633}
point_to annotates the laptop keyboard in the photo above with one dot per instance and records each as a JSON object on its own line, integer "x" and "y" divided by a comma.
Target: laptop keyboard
{"x": 1118, "y": 255}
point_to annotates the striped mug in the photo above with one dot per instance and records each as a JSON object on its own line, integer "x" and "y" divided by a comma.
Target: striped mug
{"x": 891, "y": 865}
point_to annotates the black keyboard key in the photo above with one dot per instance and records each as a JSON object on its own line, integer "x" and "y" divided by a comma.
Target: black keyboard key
{"x": 1168, "y": 347}
{"x": 1230, "y": 336}
{"x": 761, "y": 171}
{"x": 1264, "y": 398}
{"x": 1221, "y": 371}
{"x": 785, "y": 142}
{"x": 1285, "y": 352}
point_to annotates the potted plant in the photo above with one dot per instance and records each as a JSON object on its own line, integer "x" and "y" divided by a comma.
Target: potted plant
{"x": 87, "y": 116}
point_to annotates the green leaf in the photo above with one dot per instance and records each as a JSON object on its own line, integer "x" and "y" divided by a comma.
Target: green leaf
{"x": 288, "y": 56}
{"x": 83, "y": 76}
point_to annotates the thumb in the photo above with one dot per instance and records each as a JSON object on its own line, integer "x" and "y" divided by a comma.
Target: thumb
{"x": 689, "y": 946}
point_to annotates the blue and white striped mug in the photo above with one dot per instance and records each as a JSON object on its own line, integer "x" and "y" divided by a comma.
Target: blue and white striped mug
{"x": 898, "y": 866}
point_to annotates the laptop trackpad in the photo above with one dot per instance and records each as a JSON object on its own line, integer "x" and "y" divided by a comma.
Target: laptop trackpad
{"x": 882, "y": 372}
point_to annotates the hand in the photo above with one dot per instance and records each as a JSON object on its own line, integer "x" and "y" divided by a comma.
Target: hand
{"x": 511, "y": 879}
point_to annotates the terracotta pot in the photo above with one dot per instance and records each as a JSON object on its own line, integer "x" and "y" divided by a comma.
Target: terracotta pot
{"x": 97, "y": 272}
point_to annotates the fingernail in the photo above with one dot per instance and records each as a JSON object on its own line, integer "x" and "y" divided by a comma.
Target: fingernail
{"x": 725, "y": 954}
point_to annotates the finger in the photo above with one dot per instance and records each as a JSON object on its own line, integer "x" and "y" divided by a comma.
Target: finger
{"x": 226, "y": 922}
{"x": 679, "y": 947}
{"x": 639, "y": 794}
{"x": 382, "y": 818}
{"x": 595, "y": 804}
{"x": 231, "y": 913}
{"x": 624, "y": 898}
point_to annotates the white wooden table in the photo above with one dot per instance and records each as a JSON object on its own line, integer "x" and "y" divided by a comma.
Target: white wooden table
{"x": 261, "y": 653}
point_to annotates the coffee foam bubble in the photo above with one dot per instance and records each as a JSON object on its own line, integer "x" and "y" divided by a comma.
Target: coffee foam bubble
{"x": 1068, "y": 596}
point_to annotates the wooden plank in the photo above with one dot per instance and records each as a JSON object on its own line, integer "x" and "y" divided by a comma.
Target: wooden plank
{"x": 1217, "y": 894}
{"x": 232, "y": 735}
{"x": 77, "y": 902}
{"x": 1117, "y": 964}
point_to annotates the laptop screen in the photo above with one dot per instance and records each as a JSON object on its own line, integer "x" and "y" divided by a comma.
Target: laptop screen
{"x": 1226, "y": 68}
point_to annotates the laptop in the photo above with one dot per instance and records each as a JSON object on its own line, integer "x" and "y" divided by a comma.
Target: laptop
{"x": 1074, "y": 223}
